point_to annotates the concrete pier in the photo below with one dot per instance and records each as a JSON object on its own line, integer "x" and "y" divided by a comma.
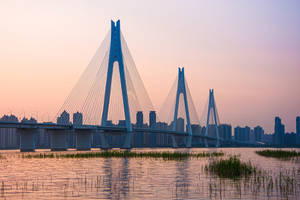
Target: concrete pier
{"x": 58, "y": 140}
{"x": 83, "y": 139}
{"x": 27, "y": 139}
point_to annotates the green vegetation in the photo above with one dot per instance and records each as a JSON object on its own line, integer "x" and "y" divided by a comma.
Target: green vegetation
{"x": 278, "y": 153}
{"x": 231, "y": 168}
{"x": 125, "y": 154}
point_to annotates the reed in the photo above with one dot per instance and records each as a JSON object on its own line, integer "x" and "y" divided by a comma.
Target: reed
{"x": 125, "y": 154}
{"x": 278, "y": 153}
{"x": 231, "y": 168}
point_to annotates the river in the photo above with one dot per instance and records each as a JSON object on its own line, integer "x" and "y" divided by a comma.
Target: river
{"x": 138, "y": 178}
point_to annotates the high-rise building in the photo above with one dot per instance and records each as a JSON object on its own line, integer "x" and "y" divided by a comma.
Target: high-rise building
{"x": 9, "y": 137}
{"x": 64, "y": 118}
{"x": 211, "y": 130}
{"x": 77, "y": 119}
{"x": 298, "y": 129}
{"x": 278, "y": 132}
{"x": 139, "y": 119}
{"x": 242, "y": 134}
{"x": 152, "y": 119}
{"x": 268, "y": 139}
{"x": 290, "y": 139}
{"x": 225, "y": 131}
{"x": 258, "y": 134}
{"x": 153, "y": 137}
{"x": 180, "y": 125}
{"x": 196, "y": 129}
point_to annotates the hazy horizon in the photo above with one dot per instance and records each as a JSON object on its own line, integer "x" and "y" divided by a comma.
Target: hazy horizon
{"x": 247, "y": 51}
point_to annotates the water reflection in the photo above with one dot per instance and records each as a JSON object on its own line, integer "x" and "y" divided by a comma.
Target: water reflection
{"x": 182, "y": 180}
{"x": 124, "y": 179}
{"x": 107, "y": 169}
{"x": 136, "y": 178}
{"x": 116, "y": 178}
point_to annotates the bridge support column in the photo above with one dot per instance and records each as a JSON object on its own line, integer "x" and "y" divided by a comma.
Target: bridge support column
{"x": 116, "y": 55}
{"x": 174, "y": 143}
{"x": 211, "y": 105}
{"x": 27, "y": 139}
{"x": 188, "y": 141}
{"x": 58, "y": 141}
{"x": 83, "y": 139}
{"x": 103, "y": 140}
{"x": 127, "y": 142}
{"x": 182, "y": 90}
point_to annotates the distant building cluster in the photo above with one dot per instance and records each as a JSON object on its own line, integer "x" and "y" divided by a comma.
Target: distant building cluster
{"x": 9, "y": 138}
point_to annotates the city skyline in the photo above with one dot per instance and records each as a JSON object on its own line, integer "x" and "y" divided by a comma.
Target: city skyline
{"x": 9, "y": 137}
{"x": 40, "y": 78}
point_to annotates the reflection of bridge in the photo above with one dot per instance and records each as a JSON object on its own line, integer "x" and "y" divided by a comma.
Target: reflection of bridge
{"x": 94, "y": 96}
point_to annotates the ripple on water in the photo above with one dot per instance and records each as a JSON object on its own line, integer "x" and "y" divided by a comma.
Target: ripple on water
{"x": 133, "y": 178}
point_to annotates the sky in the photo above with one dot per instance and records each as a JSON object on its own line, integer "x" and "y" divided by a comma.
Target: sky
{"x": 248, "y": 51}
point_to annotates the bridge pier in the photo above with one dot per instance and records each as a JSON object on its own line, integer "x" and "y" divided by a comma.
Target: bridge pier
{"x": 188, "y": 141}
{"x": 127, "y": 142}
{"x": 27, "y": 139}
{"x": 174, "y": 143}
{"x": 83, "y": 139}
{"x": 58, "y": 141}
{"x": 103, "y": 140}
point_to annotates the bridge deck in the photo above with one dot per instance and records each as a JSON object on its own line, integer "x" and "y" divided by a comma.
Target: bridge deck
{"x": 112, "y": 129}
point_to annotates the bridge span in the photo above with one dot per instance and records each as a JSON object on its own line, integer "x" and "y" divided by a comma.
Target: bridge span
{"x": 58, "y": 134}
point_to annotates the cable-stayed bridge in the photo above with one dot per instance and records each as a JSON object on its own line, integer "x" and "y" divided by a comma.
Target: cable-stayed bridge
{"x": 110, "y": 89}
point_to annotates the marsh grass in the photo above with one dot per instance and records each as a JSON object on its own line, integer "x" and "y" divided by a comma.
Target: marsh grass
{"x": 126, "y": 154}
{"x": 278, "y": 153}
{"x": 258, "y": 181}
{"x": 232, "y": 168}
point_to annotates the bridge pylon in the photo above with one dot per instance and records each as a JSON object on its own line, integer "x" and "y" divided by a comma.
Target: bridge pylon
{"x": 116, "y": 55}
{"x": 212, "y": 106}
{"x": 181, "y": 89}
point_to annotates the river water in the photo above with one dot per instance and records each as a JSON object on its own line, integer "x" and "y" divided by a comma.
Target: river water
{"x": 140, "y": 178}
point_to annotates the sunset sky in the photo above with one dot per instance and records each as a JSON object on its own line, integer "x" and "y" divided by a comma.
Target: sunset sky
{"x": 248, "y": 51}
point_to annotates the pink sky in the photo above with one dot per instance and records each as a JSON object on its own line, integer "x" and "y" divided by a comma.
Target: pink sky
{"x": 248, "y": 51}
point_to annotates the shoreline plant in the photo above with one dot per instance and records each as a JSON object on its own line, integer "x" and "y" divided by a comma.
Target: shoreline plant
{"x": 125, "y": 154}
{"x": 278, "y": 153}
{"x": 231, "y": 168}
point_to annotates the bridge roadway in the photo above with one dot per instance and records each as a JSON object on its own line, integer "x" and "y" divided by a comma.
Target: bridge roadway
{"x": 83, "y": 134}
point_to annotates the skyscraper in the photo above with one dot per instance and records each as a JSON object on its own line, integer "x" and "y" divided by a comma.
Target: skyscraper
{"x": 152, "y": 119}
{"x": 8, "y": 136}
{"x": 298, "y": 129}
{"x": 139, "y": 119}
{"x": 64, "y": 118}
{"x": 237, "y": 133}
{"x": 196, "y": 129}
{"x": 225, "y": 131}
{"x": 258, "y": 133}
{"x": 77, "y": 119}
{"x": 180, "y": 125}
{"x": 278, "y": 132}
{"x": 242, "y": 134}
